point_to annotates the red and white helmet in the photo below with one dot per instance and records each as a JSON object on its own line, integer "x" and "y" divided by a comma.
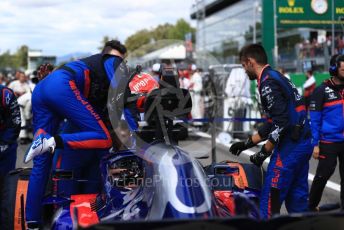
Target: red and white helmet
{"x": 142, "y": 83}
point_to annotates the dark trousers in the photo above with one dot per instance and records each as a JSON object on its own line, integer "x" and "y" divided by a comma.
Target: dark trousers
{"x": 326, "y": 166}
{"x": 8, "y": 160}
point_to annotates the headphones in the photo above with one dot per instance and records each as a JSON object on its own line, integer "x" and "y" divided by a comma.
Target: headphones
{"x": 334, "y": 64}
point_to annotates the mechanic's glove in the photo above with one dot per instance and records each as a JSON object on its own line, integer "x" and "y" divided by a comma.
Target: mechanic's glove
{"x": 238, "y": 147}
{"x": 41, "y": 144}
{"x": 259, "y": 157}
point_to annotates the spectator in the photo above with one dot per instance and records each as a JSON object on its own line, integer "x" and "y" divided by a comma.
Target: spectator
{"x": 308, "y": 86}
{"x": 184, "y": 80}
{"x": 2, "y": 79}
{"x": 196, "y": 87}
{"x": 238, "y": 99}
{"x": 156, "y": 71}
{"x": 44, "y": 70}
{"x": 22, "y": 90}
{"x": 329, "y": 44}
{"x": 20, "y": 86}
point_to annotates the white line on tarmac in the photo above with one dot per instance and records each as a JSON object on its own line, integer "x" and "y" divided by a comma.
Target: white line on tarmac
{"x": 330, "y": 184}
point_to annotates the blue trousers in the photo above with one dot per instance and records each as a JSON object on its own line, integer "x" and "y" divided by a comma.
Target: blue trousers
{"x": 287, "y": 178}
{"x": 7, "y": 163}
{"x": 83, "y": 163}
{"x": 8, "y": 159}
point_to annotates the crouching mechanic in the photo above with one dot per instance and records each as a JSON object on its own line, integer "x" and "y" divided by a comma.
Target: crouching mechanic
{"x": 10, "y": 123}
{"x": 77, "y": 92}
{"x": 288, "y": 137}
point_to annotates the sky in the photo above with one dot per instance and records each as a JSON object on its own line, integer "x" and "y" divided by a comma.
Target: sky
{"x": 60, "y": 27}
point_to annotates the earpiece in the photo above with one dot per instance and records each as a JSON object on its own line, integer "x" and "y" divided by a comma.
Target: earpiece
{"x": 333, "y": 70}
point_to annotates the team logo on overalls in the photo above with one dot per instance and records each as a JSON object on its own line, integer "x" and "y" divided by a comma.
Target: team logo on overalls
{"x": 37, "y": 143}
{"x": 8, "y": 98}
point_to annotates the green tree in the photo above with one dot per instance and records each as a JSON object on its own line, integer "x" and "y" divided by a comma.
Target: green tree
{"x": 162, "y": 31}
{"x": 6, "y": 60}
{"x": 180, "y": 29}
{"x": 20, "y": 56}
{"x": 148, "y": 38}
{"x": 139, "y": 39}
{"x": 15, "y": 61}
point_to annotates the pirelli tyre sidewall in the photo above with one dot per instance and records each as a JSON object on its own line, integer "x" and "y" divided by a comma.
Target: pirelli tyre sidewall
{"x": 13, "y": 199}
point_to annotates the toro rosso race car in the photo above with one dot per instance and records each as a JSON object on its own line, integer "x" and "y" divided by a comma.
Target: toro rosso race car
{"x": 155, "y": 181}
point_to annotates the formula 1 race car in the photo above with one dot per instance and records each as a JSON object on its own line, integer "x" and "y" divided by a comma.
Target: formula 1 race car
{"x": 162, "y": 183}
{"x": 156, "y": 181}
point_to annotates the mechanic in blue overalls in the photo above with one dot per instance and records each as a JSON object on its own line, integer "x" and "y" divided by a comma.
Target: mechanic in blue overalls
{"x": 327, "y": 122}
{"x": 287, "y": 133}
{"x": 77, "y": 92}
{"x": 10, "y": 123}
{"x": 85, "y": 176}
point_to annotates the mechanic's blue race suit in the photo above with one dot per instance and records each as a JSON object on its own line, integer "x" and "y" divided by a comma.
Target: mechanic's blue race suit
{"x": 9, "y": 131}
{"x": 327, "y": 122}
{"x": 288, "y": 129}
{"x": 84, "y": 165}
{"x": 77, "y": 91}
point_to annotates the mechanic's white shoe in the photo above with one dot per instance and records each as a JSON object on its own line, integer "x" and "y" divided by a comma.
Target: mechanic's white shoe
{"x": 41, "y": 144}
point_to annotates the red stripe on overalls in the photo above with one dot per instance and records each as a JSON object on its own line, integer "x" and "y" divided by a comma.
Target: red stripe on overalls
{"x": 339, "y": 102}
{"x": 300, "y": 108}
{"x": 260, "y": 75}
{"x": 39, "y": 131}
{"x": 95, "y": 144}
{"x": 275, "y": 179}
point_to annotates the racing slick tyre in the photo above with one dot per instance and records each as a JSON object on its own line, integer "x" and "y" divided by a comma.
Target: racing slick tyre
{"x": 13, "y": 199}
